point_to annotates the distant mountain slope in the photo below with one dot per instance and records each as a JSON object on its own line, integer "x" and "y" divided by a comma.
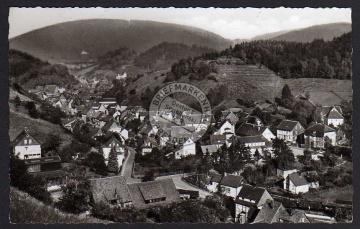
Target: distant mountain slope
{"x": 162, "y": 56}
{"x": 326, "y": 32}
{"x": 268, "y": 36}
{"x": 89, "y": 38}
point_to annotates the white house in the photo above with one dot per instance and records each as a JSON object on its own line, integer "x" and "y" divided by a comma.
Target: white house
{"x": 26, "y": 146}
{"x": 225, "y": 128}
{"x": 229, "y": 185}
{"x": 296, "y": 184}
{"x": 315, "y": 135}
{"x": 289, "y": 130}
{"x": 188, "y": 148}
{"x": 332, "y": 115}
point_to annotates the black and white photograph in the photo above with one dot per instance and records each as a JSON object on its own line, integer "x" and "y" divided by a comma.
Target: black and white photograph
{"x": 180, "y": 115}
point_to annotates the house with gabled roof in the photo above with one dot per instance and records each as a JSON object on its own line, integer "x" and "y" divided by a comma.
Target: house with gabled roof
{"x": 112, "y": 191}
{"x": 249, "y": 201}
{"x": 228, "y": 184}
{"x": 316, "y": 133}
{"x": 112, "y": 126}
{"x": 289, "y": 130}
{"x": 69, "y": 123}
{"x": 225, "y": 128}
{"x": 247, "y": 129}
{"x": 332, "y": 115}
{"x": 153, "y": 193}
{"x": 275, "y": 212}
{"x": 296, "y": 183}
{"x": 28, "y": 148}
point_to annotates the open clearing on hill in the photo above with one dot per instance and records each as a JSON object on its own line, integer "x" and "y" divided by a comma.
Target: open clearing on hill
{"x": 26, "y": 209}
{"x": 258, "y": 84}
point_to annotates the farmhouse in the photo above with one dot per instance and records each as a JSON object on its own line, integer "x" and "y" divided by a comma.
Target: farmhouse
{"x": 289, "y": 130}
{"x": 111, "y": 190}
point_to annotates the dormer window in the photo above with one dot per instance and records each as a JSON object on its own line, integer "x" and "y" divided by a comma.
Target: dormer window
{"x": 25, "y": 142}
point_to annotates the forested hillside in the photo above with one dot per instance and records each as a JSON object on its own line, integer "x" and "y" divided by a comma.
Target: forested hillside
{"x": 29, "y": 71}
{"x": 317, "y": 59}
{"x": 162, "y": 56}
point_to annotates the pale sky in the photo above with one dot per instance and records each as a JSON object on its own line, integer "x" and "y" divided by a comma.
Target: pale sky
{"x": 228, "y": 23}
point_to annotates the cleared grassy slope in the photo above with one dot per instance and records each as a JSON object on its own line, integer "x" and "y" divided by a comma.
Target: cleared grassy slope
{"x": 26, "y": 209}
{"x": 254, "y": 83}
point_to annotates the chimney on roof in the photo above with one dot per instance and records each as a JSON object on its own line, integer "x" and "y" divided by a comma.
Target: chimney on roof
{"x": 225, "y": 174}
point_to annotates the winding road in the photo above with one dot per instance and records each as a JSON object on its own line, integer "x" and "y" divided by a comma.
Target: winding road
{"x": 127, "y": 168}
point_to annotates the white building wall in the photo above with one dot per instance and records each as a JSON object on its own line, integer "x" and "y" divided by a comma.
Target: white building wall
{"x": 28, "y": 150}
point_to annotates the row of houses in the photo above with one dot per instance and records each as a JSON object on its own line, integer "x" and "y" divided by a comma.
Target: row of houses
{"x": 252, "y": 204}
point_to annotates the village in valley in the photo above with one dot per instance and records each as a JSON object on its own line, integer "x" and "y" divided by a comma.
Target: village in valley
{"x": 89, "y": 147}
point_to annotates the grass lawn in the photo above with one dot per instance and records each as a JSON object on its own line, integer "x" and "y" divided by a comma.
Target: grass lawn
{"x": 330, "y": 195}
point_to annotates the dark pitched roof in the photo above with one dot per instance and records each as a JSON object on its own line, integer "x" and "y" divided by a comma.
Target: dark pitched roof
{"x": 270, "y": 212}
{"x": 217, "y": 139}
{"x": 24, "y": 134}
{"x": 251, "y": 193}
{"x": 318, "y": 130}
{"x": 287, "y": 125}
{"x": 216, "y": 178}
{"x": 152, "y": 191}
{"x": 232, "y": 181}
{"x": 111, "y": 140}
{"x": 108, "y": 125}
{"x": 292, "y": 216}
{"x": 110, "y": 188}
{"x": 166, "y": 185}
{"x": 335, "y": 114}
{"x": 297, "y": 179}
{"x": 247, "y": 129}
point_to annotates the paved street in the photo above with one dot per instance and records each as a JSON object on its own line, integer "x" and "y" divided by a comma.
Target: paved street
{"x": 127, "y": 170}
